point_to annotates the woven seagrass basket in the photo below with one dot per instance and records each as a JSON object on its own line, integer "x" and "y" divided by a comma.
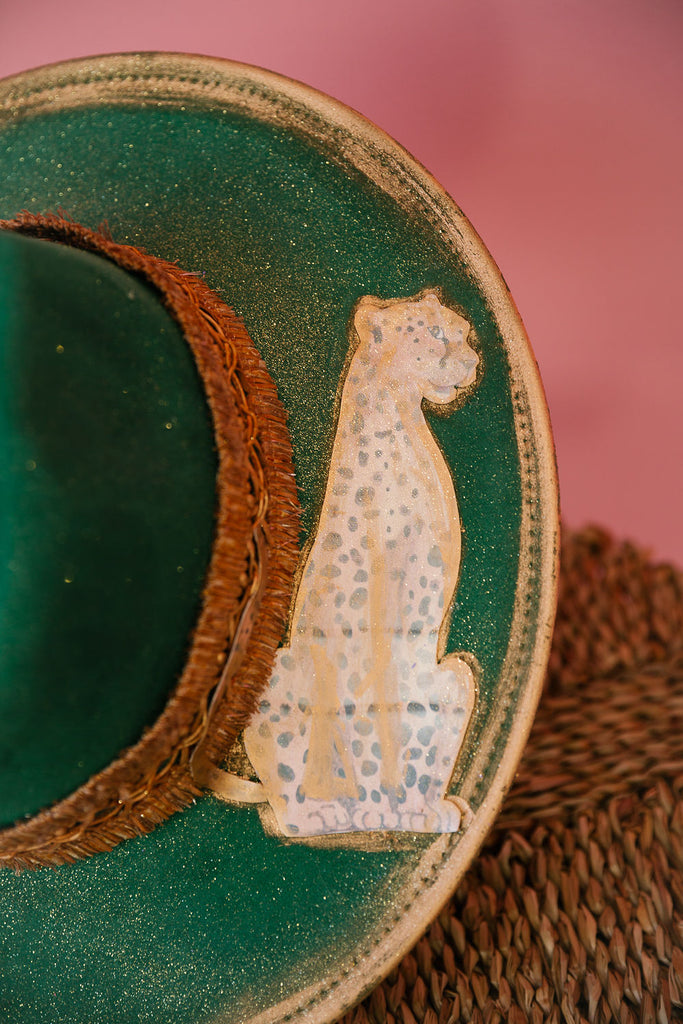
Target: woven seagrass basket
{"x": 574, "y": 909}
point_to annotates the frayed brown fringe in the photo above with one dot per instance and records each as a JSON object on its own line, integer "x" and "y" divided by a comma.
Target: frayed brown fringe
{"x": 258, "y": 512}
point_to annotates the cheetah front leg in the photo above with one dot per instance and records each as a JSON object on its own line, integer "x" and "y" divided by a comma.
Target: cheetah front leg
{"x": 436, "y": 724}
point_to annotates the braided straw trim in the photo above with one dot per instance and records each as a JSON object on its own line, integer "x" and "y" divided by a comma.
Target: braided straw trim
{"x": 573, "y": 911}
{"x": 256, "y": 499}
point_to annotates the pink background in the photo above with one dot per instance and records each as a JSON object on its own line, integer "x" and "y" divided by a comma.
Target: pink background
{"x": 556, "y": 126}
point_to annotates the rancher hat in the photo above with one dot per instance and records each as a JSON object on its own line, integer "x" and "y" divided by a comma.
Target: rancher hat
{"x": 205, "y": 206}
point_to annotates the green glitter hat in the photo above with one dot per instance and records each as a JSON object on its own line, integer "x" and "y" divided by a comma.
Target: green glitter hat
{"x": 140, "y": 612}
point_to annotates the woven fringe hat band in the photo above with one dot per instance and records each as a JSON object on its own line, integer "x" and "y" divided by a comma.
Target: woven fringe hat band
{"x": 246, "y": 592}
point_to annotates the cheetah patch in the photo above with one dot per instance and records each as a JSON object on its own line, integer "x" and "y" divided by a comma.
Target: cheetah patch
{"x": 365, "y": 715}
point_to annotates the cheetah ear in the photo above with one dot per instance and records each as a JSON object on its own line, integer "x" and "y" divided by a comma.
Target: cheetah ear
{"x": 364, "y": 319}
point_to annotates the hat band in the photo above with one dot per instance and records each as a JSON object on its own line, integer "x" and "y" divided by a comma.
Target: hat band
{"x": 247, "y": 587}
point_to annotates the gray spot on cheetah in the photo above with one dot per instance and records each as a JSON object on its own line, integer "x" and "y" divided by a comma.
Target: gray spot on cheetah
{"x": 357, "y": 423}
{"x": 353, "y": 524}
{"x": 358, "y": 598}
{"x": 423, "y": 607}
{"x": 285, "y": 772}
{"x": 368, "y": 768}
{"x": 354, "y": 681}
{"x": 425, "y": 734}
{"x": 424, "y": 783}
{"x": 345, "y": 472}
{"x": 285, "y": 738}
{"x": 331, "y": 571}
{"x": 363, "y": 727}
{"x": 356, "y": 556}
{"x": 434, "y": 557}
{"x": 363, "y": 458}
{"x": 365, "y": 495}
{"x": 361, "y": 576}
{"x": 339, "y": 599}
{"x": 332, "y": 542}
{"x": 340, "y": 490}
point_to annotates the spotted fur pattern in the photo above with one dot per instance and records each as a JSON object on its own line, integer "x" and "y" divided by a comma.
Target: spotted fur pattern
{"x": 364, "y": 716}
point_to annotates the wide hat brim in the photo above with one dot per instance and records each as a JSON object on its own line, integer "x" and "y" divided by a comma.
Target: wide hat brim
{"x": 293, "y": 208}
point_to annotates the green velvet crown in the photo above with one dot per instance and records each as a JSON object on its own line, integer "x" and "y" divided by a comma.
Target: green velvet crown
{"x": 107, "y": 492}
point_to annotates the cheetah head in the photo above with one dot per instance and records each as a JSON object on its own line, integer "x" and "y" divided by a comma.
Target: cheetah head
{"x": 421, "y": 340}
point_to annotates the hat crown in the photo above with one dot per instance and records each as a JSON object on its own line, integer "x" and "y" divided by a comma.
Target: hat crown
{"x": 107, "y": 494}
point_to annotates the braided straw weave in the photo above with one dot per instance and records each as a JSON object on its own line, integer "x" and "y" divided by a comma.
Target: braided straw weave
{"x": 573, "y": 911}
